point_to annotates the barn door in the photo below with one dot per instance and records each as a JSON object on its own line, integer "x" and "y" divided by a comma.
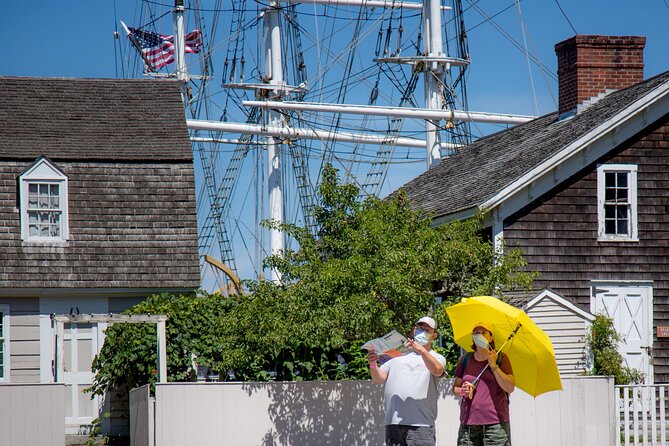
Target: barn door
{"x": 630, "y": 306}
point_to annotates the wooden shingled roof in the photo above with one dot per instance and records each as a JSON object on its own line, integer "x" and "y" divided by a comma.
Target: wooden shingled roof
{"x": 481, "y": 170}
{"x": 125, "y": 150}
{"x": 105, "y": 119}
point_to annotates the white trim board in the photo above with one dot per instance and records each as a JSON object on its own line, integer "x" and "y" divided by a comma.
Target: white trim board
{"x": 548, "y": 294}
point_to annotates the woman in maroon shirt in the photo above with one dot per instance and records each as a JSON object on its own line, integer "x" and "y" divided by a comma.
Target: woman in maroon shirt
{"x": 484, "y": 382}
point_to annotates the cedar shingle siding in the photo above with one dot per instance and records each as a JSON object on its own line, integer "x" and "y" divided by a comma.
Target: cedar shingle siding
{"x": 559, "y": 235}
{"x": 124, "y": 147}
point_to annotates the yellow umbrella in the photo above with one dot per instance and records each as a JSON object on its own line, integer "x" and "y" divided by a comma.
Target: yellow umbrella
{"x": 528, "y": 347}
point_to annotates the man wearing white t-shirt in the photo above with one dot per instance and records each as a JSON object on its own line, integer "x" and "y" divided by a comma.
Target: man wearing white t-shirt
{"x": 410, "y": 392}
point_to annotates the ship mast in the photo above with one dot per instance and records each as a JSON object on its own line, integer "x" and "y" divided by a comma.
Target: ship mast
{"x": 274, "y": 76}
{"x": 433, "y": 76}
{"x": 273, "y": 88}
{"x": 180, "y": 70}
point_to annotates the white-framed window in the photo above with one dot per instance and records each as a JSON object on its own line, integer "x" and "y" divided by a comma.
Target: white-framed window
{"x": 4, "y": 343}
{"x": 617, "y": 202}
{"x": 44, "y": 203}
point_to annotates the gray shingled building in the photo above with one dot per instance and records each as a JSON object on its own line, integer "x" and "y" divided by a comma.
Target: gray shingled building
{"x": 97, "y": 212}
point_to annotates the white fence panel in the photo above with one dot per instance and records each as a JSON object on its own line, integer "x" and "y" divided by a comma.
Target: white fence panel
{"x": 141, "y": 416}
{"x": 351, "y": 412}
{"x": 32, "y": 414}
{"x": 643, "y": 412}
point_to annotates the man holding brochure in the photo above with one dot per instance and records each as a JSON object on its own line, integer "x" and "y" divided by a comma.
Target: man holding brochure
{"x": 410, "y": 392}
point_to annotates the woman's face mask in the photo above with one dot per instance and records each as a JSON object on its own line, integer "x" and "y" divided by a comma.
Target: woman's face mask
{"x": 421, "y": 336}
{"x": 480, "y": 340}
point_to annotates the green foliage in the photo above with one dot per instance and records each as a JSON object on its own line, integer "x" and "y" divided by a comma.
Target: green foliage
{"x": 375, "y": 265}
{"x": 602, "y": 339}
{"x": 129, "y": 354}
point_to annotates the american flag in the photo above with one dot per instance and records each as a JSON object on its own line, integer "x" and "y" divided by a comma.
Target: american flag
{"x": 158, "y": 49}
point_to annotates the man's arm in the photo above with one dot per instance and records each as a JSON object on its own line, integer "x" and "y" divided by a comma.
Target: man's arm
{"x": 378, "y": 375}
{"x": 435, "y": 367}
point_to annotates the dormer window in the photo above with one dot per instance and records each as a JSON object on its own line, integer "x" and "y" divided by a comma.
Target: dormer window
{"x": 617, "y": 202}
{"x": 43, "y": 198}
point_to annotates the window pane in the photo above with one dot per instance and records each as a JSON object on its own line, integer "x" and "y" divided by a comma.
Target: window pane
{"x": 44, "y": 202}
{"x": 32, "y": 189}
{"x": 622, "y": 179}
{"x": 622, "y": 195}
{"x": 609, "y": 194}
{"x": 44, "y": 189}
{"x": 609, "y": 179}
{"x": 610, "y": 227}
{"x": 33, "y": 231}
{"x": 622, "y": 227}
{"x": 621, "y": 211}
{"x": 54, "y": 190}
{"x": 609, "y": 212}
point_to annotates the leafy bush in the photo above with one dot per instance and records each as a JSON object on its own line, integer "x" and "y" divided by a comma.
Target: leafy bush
{"x": 128, "y": 357}
{"x": 602, "y": 339}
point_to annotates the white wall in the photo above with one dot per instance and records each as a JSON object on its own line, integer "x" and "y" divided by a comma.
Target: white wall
{"x": 351, "y": 413}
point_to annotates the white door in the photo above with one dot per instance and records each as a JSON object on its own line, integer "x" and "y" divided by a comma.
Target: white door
{"x": 630, "y": 306}
{"x": 81, "y": 342}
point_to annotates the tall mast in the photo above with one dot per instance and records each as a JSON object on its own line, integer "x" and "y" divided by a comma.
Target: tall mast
{"x": 433, "y": 74}
{"x": 180, "y": 70}
{"x": 274, "y": 76}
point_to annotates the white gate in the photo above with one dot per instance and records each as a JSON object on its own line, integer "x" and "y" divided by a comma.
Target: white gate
{"x": 630, "y": 306}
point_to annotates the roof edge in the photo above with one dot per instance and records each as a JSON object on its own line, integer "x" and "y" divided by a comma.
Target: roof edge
{"x": 609, "y": 126}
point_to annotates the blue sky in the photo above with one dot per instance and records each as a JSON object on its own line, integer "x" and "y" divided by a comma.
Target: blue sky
{"x": 75, "y": 38}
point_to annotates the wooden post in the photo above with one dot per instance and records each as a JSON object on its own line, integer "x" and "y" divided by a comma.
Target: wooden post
{"x": 59, "y": 360}
{"x": 162, "y": 351}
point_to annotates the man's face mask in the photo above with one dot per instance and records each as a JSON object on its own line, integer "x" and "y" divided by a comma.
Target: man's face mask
{"x": 421, "y": 336}
{"x": 480, "y": 340}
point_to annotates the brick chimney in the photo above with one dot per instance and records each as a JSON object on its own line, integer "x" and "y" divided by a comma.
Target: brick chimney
{"x": 590, "y": 65}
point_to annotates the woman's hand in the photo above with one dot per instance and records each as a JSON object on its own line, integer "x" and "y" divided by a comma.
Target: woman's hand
{"x": 466, "y": 389}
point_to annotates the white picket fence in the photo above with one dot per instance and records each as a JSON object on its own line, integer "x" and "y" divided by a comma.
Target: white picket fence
{"x": 643, "y": 415}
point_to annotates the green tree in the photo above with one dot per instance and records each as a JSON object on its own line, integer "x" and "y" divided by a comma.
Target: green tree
{"x": 374, "y": 265}
{"x": 602, "y": 339}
